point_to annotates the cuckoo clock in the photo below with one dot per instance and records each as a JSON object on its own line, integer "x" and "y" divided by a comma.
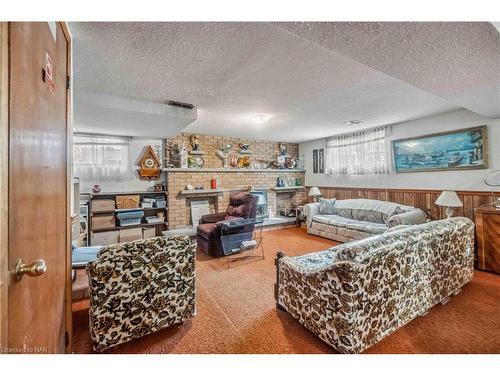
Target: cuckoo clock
{"x": 149, "y": 165}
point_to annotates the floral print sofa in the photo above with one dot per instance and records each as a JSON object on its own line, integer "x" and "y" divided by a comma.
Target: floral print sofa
{"x": 353, "y": 219}
{"x": 140, "y": 287}
{"x": 353, "y": 295}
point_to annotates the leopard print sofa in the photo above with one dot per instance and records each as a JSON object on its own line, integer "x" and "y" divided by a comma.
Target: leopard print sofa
{"x": 353, "y": 295}
{"x": 140, "y": 287}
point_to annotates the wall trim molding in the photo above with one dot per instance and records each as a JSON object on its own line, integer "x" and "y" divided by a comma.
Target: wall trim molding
{"x": 431, "y": 191}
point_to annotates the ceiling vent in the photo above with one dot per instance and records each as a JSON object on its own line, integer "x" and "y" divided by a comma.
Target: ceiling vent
{"x": 180, "y": 104}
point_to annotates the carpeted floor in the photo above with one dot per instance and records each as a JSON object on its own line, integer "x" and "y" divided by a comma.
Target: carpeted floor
{"x": 236, "y": 313}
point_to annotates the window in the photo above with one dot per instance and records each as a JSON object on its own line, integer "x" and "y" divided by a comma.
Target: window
{"x": 97, "y": 158}
{"x": 363, "y": 152}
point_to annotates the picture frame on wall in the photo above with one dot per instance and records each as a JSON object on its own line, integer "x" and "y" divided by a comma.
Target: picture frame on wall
{"x": 315, "y": 161}
{"x": 453, "y": 150}
{"x": 321, "y": 160}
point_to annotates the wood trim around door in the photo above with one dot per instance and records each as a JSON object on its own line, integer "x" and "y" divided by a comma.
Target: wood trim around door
{"x": 69, "y": 189}
{"x": 4, "y": 181}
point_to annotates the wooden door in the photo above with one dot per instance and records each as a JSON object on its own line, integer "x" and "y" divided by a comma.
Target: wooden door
{"x": 38, "y": 223}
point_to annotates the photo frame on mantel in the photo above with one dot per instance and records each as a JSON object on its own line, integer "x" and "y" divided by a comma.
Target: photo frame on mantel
{"x": 453, "y": 150}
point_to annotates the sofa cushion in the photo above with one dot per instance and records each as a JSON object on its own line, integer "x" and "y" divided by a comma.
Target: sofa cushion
{"x": 327, "y": 206}
{"x": 342, "y": 222}
{"x": 368, "y": 227}
{"x": 368, "y": 209}
{"x": 369, "y": 215}
{"x": 416, "y": 216}
{"x": 330, "y": 220}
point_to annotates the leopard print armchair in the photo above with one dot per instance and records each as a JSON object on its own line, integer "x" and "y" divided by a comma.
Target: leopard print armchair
{"x": 140, "y": 287}
{"x": 353, "y": 295}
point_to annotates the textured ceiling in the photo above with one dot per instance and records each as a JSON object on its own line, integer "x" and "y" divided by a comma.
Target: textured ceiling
{"x": 458, "y": 61}
{"x": 230, "y": 71}
{"x": 110, "y": 114}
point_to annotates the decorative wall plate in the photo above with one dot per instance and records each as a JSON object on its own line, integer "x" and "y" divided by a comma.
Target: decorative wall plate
{"x": 244, "y": 162}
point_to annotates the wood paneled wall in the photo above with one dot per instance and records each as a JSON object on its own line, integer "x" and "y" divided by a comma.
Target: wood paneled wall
{"x": 423, "y": 199}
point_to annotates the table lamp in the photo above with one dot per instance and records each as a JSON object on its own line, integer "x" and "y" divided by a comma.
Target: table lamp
{"x": 314, "y": 192}
{"x": 449, "y": 199}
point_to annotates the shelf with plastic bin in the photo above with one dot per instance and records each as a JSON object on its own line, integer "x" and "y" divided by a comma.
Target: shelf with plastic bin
{"x": 128, "y": 227}
{"x": 112, "y": 210}
{"x": 140, "y": 192}
{"x": 130, "y": 209}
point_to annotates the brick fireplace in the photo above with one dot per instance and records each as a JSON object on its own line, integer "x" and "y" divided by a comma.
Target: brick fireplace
{"x": 260, "y": 152}
{"x": 179, "y": 215}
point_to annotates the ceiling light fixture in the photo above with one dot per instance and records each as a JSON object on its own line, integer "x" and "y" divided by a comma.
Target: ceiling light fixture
{"x": 261, "y": 118}
{"x": 353, "y": 122}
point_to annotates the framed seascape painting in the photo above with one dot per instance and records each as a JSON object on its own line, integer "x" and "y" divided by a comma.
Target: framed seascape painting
{"x": 458, "y": 149}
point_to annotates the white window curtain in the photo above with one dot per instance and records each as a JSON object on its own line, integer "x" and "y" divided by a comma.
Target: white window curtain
{"x": 363, "y": 152}
{"x": 97, "y": 158}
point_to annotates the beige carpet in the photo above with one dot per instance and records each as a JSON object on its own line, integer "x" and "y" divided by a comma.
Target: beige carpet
{"x": 236, "y": 313}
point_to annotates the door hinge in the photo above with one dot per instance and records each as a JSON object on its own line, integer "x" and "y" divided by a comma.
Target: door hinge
{"x": 68, "y": 83}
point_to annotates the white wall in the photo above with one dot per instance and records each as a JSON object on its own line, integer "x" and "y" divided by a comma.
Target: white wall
{"x": 452, "y": 180}
{"x": 133, "y": 183}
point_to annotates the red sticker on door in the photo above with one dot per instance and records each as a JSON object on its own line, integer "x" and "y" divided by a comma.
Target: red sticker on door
{"x": 48, "y": 74}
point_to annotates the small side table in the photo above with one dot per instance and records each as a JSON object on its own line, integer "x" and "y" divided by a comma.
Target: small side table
{"x": 487, "y": 219}
{"x": 301, "y": 216}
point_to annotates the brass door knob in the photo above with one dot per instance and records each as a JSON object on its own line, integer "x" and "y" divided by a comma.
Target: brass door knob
{"x": 34, "y": 269}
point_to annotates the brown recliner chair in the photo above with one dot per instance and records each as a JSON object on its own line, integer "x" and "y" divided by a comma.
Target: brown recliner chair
{"x": 242, "y": 205}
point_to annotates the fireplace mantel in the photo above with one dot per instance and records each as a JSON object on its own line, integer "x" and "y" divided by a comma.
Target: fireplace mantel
{"x": 285, "y": 189}
{"x": 233, "y": 170}
{"x": 211, "y": 191}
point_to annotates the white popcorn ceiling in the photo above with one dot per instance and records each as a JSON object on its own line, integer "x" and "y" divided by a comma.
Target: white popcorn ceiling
{"x": 230, "y": 71}
{"x": 458, "y": 61}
